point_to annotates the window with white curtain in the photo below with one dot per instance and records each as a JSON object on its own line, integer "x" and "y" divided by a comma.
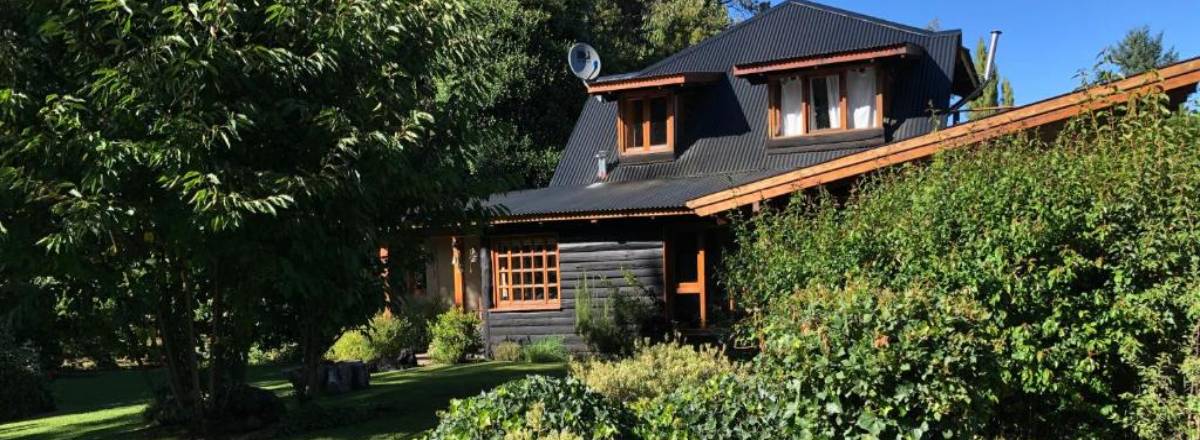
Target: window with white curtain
{"x": 826, "y": 96}
{"x": 829, "y": 100}
{"x": 791, "y": 106}
{"x": 860, "y": 86}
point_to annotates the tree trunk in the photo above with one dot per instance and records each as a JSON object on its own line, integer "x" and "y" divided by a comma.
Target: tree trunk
{"x": 176, "y": 326}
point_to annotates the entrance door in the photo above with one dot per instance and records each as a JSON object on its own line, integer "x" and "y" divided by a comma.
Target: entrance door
{"x": 687, "y": 282}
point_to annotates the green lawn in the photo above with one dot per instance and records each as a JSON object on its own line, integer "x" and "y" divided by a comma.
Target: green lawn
{"x": 108, "y": 405}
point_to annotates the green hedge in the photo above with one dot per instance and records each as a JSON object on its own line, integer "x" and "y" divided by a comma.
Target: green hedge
{"x": 537, "y": 407}
{"x": 1019, "y": 289}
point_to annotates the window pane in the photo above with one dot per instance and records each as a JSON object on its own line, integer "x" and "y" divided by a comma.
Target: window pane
{"x": 658, "y": 121}
{"x": 635, "y": 123}
{"x": 860, "y": 88}
{"x": 825, "y": 96}
{"x": 791, "y": 117}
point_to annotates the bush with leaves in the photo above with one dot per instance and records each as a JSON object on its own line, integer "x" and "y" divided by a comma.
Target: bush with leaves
{"x": 393, "y": 336}
{"x": 612, "y": 324}
{"x": 353, "y": 345}
{"x": 23, "y": 387}
{"x": 455, "y": 335}
{"x": 1062, "y": 275}
{"x": 507, "y": 351}
{"x": 534, "y": 407}
{"x": 654, "y": 370}
{"x": 545, "y": 350}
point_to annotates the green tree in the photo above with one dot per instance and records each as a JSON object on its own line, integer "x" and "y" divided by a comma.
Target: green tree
{"x": 1139, "y": 52}
{"x": 235, "y": 164}
{"x": 997, "y": 93}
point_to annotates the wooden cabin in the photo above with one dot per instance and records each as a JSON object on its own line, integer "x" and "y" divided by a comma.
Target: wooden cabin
{"x": 800, "y": 96}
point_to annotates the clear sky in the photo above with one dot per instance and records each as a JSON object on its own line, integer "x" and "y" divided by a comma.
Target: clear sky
{"x": 1045, "y": 42}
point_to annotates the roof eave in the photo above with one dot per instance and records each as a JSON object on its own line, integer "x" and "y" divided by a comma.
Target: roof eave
{"x": 902, "y": 50}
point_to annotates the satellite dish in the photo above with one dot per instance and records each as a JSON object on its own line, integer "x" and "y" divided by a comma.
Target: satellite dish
{"x": 584, "y": 61}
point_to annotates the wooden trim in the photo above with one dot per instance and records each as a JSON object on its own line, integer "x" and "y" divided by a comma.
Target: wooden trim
{"x": 592, "y": 216}
{"x": 625, "y": 144}
{"x": 456, "y": 261}
{"x": 670, "y": 80}
{"x": 522, "y": 279}
{"x": 903, "y": 50}
{"x": 702, "y": 278}
{"x": 1056, "y": 109}
{"x": 879, "y": 84}
{"x": 843, "y": 102}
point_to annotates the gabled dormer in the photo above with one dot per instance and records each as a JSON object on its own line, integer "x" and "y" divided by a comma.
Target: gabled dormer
{"x": 648, "y": 111}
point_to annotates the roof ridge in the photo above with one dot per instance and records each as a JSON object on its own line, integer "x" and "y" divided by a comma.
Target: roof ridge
{"x": 867, "y": 18}
{"x": 720, "y": 35}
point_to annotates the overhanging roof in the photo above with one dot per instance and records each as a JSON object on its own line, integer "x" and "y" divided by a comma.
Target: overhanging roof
{"x": 1174, "y": 77}
{"x": 618, "y": 84}
{"x": 902, "y": 50}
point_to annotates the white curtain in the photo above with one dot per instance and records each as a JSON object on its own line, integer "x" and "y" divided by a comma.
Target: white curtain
{"x": 790, "y": 114}
{"x": 860, "y": 85}
{"x": 834, "y": 92}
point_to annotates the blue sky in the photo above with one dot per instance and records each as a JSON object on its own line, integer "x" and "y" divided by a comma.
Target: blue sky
{"x": 1045, "y": 42}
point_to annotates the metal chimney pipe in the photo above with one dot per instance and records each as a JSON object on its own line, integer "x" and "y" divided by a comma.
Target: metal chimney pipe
{"x": 991, "y": 57}
{"x": 601, "y": 165}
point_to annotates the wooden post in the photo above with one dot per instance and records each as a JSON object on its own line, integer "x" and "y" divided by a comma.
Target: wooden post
{"x": 485, "y": 287}
{"x": 456, "y": 244}
{"x": 702, "y": 279}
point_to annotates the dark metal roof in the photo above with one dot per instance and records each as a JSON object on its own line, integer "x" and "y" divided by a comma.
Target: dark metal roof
{"x": 618, "y": 196}
{"x": 721, "y": 129}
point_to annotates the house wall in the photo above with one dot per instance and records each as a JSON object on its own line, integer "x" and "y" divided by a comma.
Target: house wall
{"x": 600, "y": 255}
{"x": 439, "y": 270}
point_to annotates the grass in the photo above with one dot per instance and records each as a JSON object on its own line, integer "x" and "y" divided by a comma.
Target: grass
{"x": 108, "y": 405}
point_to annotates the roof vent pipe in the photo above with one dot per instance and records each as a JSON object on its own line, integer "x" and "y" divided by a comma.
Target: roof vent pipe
{"x": 991, "y": 57}
{"x": 984, "y": 82}
{"x": 601, "y": 165}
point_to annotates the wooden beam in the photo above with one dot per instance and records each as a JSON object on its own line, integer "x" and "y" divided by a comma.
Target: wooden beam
{"x": 670, "y": 80}
{"x": 456, "y": 261}
{"x": 897, "y": 50}
{"x": 1060, "y": 108}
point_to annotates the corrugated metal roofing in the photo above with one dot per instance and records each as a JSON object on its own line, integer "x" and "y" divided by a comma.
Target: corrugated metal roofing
{"x": 722, "y": 128}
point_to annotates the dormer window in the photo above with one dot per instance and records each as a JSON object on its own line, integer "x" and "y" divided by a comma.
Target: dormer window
{"x": 646, "y": 123}
{"x": 826, "y": 101}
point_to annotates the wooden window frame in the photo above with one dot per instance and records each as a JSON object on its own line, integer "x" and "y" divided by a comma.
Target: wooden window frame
{"x": 502, "y": 249}
{"x": 775, "y": 113}
{"x": 625, "y": 144}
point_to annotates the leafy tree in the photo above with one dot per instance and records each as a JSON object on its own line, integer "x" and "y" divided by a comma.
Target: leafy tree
{"x": 744, "y": 9}
{"x": 997, "y": 93}
{"x": 1139, "y": 52}
{"x": 234, "y": 165}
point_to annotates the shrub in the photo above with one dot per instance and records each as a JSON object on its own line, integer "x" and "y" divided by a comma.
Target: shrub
{"x": 284, "y": 354}
{"x": 1075, "y": 263}
{"x": 420, "y": 311}
{"x": 883, "y": 364}
{"x": 352, "y": 346}
{"x": 612, "y": 325}
{"x": 545, "y": 350}
{"x": 535, "y": 406}
{"x": 730, "y": 407}
{"x": 23, "y": 386}
{"x": 455, "y": 335}
{"x": 654, "y": 370}
{"x": 392, "y": 336}
{"x": 507, "y": 351}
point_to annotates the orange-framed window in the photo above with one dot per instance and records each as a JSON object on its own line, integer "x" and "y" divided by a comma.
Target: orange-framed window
{"x": 646, "y": 123}
{"x": 525, "y": 273}
{"x": 825, "y": 101}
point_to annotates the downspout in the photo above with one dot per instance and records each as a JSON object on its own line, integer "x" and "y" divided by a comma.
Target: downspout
{"x": 987, "y": 78}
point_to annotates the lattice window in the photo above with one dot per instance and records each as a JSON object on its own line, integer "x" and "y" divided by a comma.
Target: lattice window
{"x": 525, "y": 273}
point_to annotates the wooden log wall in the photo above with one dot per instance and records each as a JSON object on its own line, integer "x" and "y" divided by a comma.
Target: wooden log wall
{"x": 604, "y": 260}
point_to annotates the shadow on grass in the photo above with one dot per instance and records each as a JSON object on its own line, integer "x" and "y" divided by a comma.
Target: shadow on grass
{"x": 108, "y": 405}
{"x": 413, "y": 397}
